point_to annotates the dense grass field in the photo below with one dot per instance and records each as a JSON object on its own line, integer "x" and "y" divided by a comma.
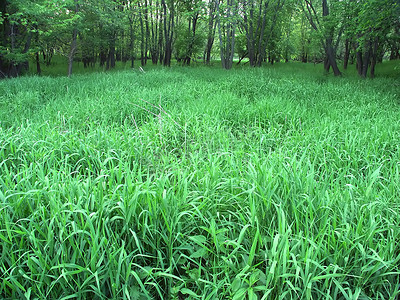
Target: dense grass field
{"x": 271, "y": 183}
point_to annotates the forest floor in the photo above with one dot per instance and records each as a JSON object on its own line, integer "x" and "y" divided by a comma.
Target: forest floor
{"x": 267, "y": 183}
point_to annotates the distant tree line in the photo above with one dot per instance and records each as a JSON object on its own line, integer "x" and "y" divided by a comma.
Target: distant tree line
{"x": 334, "y": 32}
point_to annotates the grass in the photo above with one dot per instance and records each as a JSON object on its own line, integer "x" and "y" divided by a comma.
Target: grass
{"x": 200, "y": 183}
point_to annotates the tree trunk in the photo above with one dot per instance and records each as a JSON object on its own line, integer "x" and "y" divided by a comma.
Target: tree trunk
{"x": 249, "y": 31}
{"x": 146, "y": 21}
{"x": 168, "y": 33}
{"x": 131, "y": 42}
{"x": 221, "y": 46}
{"x": 359, "y": 62}
{"x": 142, "y": 40}
{"x": 346, "y": 54}
{"x": 38, "y": 69}
{"x": 260, "y": 54}
{"x": 72, "y": 52}
{"x": 331, "y": 57}
{"x": 329, "y": 49}
{"x": 366, "y": 60}
{"x": 211, "y": 31}
{"x": 374, "y": 57}
{"x": 73, "y": 44}
{"x": 227, "y": 48}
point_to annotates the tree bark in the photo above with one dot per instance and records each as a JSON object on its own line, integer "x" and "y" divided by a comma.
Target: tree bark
{"x": 38, "y": 69}
{"x": 346, "y": 53}
{"x": 211, "y": 31}
{"x": 329, "y": 49}
{"x": 73, "y": 44}
{"x": 227, "y": 47}
{"x": 72, "y": 51}
{"x": 168, "y": 32}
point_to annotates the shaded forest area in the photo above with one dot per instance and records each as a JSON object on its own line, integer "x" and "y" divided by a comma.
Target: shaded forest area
{"x": 335, "y": 33}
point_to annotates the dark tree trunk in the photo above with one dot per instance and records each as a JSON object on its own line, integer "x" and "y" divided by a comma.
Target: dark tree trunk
{"x": 168, "y": 33}
{"x": 366, "y": 60}
{"x": 211, "y": 31}
{"x": 327, "y": 65}
{"x": 38, "y": 69}
{"x": 227, "y": 48}
{"x": 331, "y": 57}
{"x": 103, "y": 57}
{"x": 142, "y": 39}
{"x": 146, "y": 21}
{"x": 131, "y": 42}
{"x": 161, "y": 38}
{"x": 249, "y": 31}
{"x": 374, "y": 57}
{"x": 346, "y": 53}
{"x": 359, "y": 62}
{"x": 329, "y": 49}
{"x": 263, "y": 43}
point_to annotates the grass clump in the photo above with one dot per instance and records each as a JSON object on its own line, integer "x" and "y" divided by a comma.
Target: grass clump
{"x": 199, "y": 183}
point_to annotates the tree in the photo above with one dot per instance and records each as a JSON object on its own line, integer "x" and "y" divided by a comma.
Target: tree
{"x": 376, "y": 19}
{"x": 227, "y": 22}
{"x": 211, "y": 26}
{"x": 325, "y": 23}
{"x": 19, "y": 22}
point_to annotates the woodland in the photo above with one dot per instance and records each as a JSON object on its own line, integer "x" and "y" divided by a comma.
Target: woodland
{"x": 335, "y": 32}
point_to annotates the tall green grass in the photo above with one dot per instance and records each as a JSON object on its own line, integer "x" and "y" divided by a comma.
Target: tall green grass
{"x": 200, "y": 183}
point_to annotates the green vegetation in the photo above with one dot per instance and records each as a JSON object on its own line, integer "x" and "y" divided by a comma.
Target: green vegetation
{"x": 266, "y": 183}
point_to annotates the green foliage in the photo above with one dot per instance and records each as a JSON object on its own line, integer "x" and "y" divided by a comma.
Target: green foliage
{"x": 187, "y": 45}
{"x": 200, "y": 183}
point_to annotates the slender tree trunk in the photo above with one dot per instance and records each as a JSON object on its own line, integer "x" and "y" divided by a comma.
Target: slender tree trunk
{"x": 72, "y": 52}
{"x": 227, "y": 47}
{"x": 142, "y": 37}
{"x": 38, "y": 69}
{"x": 73, "y": 44}
{"x": 168, "y": 32}
{"x": 374, "y": 57}
{"x": 211, "y": 31}
{"x": 260, "y": 54}
{"x": 147, "y": 37}
{"x": 249, "y": 31}
{"x": 359, "y": 62}
{"x": 189, "y": 52}
{"x": 131, "y": 42}
{"x": 346, "y": 53}
{"x": 221, "y": 46}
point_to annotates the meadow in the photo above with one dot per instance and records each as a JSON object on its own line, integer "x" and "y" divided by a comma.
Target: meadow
{"x": 199, "y": 183}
